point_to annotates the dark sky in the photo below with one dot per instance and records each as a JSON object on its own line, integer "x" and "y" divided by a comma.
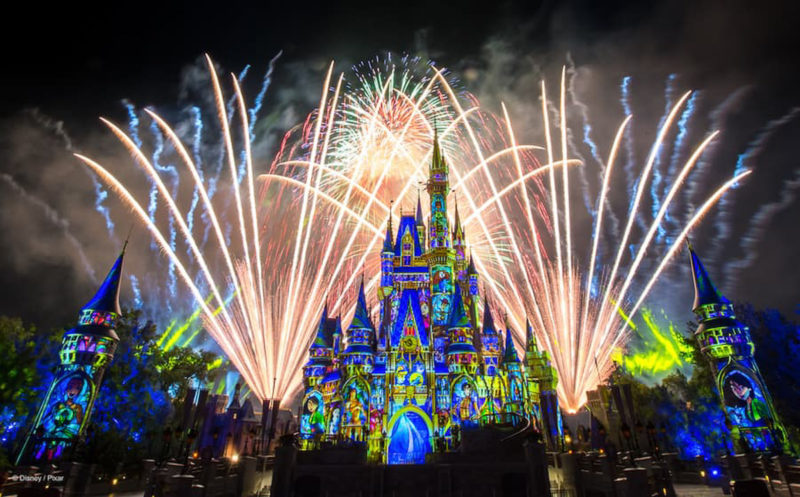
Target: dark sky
{"x": 74, "y": 62}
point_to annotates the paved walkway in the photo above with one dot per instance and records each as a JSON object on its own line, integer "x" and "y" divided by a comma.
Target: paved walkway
{"x": 684, "y": 490}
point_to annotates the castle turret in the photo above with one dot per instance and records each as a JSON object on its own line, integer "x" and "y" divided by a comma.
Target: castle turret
{"x": 438, "y": 189}
{"x": 542, "y": 377}
{"x": 320, "y": 354}
{"x": 441, "y": 257}
{"x": 516, "y": 398}
{"x": 461, "y": 354}
{"x": 509, "y": 351}
{"x": 490, "y": 342}
{"x": 86, "y": 351}
{"x": 358, "y": 357}
{"x": 414, "y": 385}
{"x": 726, "y": 343}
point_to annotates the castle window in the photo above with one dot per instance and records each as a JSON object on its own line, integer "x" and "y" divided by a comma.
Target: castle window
{"x": 407, "y": 248}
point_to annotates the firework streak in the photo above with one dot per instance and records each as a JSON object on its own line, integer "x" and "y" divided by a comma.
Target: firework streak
{"x": 305, "y": 231}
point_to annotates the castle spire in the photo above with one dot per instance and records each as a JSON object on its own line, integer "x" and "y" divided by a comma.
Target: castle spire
{"x": 510, "y": 353}
{"x": 321, "y": 339}
{"x": 99, "y": 316}
{"x": 458, "y": 318}
{"x": 530, "y": 339}
{"x": 86, "y": 351}
{"x": 436, "y": 155}
{"x": 438, "y": 188}
{"x": 420, "y": 221}
{"x": 457, "y": 229}
{"x": 704, "y": 290}
{"x": 488, "y": 321}
{"x": 361, "y": 317}
{"x": 107, "y": 297}
{"x": 387, "y": 242}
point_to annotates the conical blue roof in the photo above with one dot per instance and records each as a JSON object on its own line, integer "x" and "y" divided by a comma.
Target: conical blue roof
{"x": 471, "y": 267}
{"x": 107, "y": 297}
{"x": 361, "y": 317}
{"x": 704, "y": 290}
{"x": 387, "y": 241}
{"x": 510, "y": 353}
{"x": 420, "y": 221}
{"x": 488, "y": 320}
{"x": 338, "y": 329}
{"x": 458, "y": 318}
{"x": 321, "y": 339}
{"x": 99, "y": 316}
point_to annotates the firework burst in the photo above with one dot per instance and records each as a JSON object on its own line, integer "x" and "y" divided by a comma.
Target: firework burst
{"x": 309, "y": 228}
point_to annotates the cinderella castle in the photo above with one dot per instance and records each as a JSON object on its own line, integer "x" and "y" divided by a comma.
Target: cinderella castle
{"x": 432, "y": 367}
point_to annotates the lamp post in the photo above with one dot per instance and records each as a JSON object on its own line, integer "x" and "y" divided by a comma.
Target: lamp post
{"x": 190, "y": 437}
{"x": 601, "y": 438}
{"x": 252, "y": 441}
{"x": 664, "y": 437}
{"x": 626, "y": 433}
{"x": 651, "y": 439}
{"x": 214, "y": 438}
{"x": 165, "y": 445}
{"x": 636, "y": 440}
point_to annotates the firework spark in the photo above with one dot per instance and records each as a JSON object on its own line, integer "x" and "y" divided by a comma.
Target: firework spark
{"x": 307, "y": 229}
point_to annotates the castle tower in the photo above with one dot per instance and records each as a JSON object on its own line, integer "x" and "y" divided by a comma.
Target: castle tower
{"x": 509, "y": 351}
{"x": 429, "y": 372}
{"x": 320, "y": 354}
{"x": 726, "y": 343}
{"x": 461, "y": 354}
{"x": 358, "y": 356}
{"x": 544, "y": 374}
{"x": 532, "y": 355}
{"x": 438, "y": 188}
{"x": 515, "y": 394}
{"x": 490, "y": 342}
{"x": 86, "y": 351}
{"x": 441, "y": 258}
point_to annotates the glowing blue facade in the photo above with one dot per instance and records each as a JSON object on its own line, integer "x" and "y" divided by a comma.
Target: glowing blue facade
{"x": 408, "y": 385}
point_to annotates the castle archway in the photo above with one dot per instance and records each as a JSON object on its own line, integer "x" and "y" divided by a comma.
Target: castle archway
{"x": 409, "y": 433}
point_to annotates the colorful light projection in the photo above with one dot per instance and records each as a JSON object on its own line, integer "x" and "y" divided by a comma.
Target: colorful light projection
{"x": 86, "y": 351}
{"x": 726, "y": 344}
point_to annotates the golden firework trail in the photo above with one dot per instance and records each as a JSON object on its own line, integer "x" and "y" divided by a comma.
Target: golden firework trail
{"x": 307, "y": 230}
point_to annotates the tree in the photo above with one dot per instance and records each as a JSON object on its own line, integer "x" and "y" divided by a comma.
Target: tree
{"x": 139, "y": 392}
{"x": 690, "y": 406}
{"x": 27, "y": 369}
{"x": 137, "y": 397}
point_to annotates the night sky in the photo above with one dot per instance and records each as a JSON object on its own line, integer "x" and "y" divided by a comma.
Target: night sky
{"x": 73, "y": 63}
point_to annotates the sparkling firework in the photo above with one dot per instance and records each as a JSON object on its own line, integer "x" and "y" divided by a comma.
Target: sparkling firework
{"x": 310, "y": 227}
